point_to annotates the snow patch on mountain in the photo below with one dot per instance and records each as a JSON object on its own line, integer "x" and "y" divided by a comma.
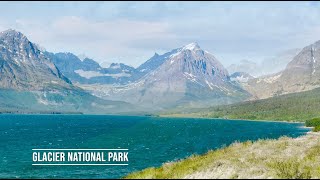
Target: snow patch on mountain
{"x": 270, "y": 79}
{"x": 174, "y": 55}
{"x": 241, "y": 79}
{"x": 115, "y": 66}
{"x": 314, "y": 60}
{"x": 190, "y": 76}
{"x": 91, "y": 74}
{"x": 88, "y": 74}
{"x": 210, "y": 85}
{"x": 191, "y": 46}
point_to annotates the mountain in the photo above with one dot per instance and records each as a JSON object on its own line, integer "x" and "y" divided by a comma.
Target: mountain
{"x": 155, "y": 61}
{"x": 24, "y": 67}
{"x": 187, "y": 76}
{"x": 90, "y": 64}
{"x": 301, "y": 74}
{"x": 88, "y": 71}
{"x": 31, "y": 82}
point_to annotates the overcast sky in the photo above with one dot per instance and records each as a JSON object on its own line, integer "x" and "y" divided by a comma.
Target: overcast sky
{"x": 131, "y": 32}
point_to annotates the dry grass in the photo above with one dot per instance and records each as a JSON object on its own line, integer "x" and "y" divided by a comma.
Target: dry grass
{"x": 283, "y": 158}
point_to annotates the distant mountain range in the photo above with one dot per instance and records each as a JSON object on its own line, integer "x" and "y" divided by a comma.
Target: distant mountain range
{"x": 31, "y": 82}
{"x": 33, "y": 79}
{"x": 186, "y": 76}
{"x": 88, "y": 71}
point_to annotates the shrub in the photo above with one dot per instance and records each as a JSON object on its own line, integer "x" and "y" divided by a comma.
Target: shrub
{"x": 316, "y": 129}
{"x": 291, "y": 169}
{"x": 313, "y": 122}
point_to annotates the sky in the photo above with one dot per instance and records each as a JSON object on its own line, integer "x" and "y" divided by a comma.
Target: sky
{"x": 131, "y": 32}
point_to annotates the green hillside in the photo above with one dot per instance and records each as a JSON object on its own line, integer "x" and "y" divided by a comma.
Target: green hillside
{"x": 291, "y": 107}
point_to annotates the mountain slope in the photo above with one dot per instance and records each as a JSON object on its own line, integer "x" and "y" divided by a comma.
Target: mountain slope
{"x": 155, "y": 61}
{"x": 24, "y": 66}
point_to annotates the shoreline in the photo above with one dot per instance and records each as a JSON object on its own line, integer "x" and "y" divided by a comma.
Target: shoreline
{"x": 158, "y": 116}
{"x": 164, "y": 116}
{"x": 280, "y": 121}
{"x": 291, "y": 122}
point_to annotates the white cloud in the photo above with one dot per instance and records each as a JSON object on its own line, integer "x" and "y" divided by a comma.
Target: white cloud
{"x": 132, "y": 32}
{"x": 102, "y": 40}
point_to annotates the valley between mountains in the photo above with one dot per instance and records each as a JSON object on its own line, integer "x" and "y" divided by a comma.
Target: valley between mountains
{"x": 185, "y": 80}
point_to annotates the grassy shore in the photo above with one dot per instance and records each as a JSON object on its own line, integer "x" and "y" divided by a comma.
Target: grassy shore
{"x": 281, "y": 158}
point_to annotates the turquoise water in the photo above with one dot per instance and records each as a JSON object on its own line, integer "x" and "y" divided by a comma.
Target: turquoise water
{"x": 151, "y": 141}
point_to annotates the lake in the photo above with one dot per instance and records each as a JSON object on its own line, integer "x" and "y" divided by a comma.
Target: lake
{"x": 151, "y": 140}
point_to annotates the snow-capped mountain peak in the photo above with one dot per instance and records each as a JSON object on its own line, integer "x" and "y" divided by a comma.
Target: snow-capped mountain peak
{"x": 191, "y": 46}
{"x": 11, "y": 32}
{"x": 13, "y": 36}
